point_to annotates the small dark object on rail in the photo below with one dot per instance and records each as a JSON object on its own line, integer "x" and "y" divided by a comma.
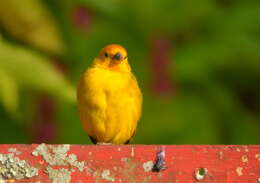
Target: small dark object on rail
{"x": 159, "y": 164}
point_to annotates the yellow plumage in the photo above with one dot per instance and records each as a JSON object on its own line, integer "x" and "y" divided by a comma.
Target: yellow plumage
{"x": 109, "y": 99}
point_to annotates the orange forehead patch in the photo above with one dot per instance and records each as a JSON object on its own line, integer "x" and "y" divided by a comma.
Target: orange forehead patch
{"x": 114, "y": 48}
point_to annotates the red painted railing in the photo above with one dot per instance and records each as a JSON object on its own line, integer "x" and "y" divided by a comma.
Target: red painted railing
{"x": 133, "y": 164}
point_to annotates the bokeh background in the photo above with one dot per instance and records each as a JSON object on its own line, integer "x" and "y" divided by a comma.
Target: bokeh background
{"x": 197, "y": 63}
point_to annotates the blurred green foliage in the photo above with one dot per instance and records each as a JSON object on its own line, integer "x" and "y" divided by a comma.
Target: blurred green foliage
{"x": 214, "y": 64}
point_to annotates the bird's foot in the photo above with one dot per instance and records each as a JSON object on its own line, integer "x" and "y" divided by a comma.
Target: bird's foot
{"x": 103, "y": 143}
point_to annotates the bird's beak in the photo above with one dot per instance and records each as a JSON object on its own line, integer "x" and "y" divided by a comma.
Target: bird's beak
{"x": 118, "y": 56}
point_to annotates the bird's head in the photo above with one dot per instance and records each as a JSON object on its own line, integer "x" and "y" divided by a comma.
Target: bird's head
{"x": 113, "y": 57}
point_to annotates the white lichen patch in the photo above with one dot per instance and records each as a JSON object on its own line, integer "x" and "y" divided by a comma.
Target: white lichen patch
{"x": 12, "y": 167}
{"x": 14, "y": 150}
{"x": 244, "y": 159}
{"x": 57, "y": 155}
{"x": 58, "y": 175}
{"x": 201, "y": 173}
{"x": 106, "y": 175}
{"x": 147, "y": 166}
{"x": 239, "y": 171}
{"x": 51, "y": 154}
{"x": 73, "y": 161}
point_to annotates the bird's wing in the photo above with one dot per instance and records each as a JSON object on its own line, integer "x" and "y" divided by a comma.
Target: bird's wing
{"x": 137, "y": 97}
{"x": 136, "y": 100}
{"x": 92, "y": 103}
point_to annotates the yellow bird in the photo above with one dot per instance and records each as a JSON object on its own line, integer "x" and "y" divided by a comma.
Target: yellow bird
{"x": 109, "y": 98}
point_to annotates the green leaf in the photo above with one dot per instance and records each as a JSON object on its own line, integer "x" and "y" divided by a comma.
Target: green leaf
{"x": 35, "y": 27}
{"x": 33, "y": 71}
{"x": 8, "y": 92}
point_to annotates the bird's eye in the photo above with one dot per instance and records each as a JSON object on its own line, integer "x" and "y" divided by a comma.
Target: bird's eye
{"x": 106, "y": 54}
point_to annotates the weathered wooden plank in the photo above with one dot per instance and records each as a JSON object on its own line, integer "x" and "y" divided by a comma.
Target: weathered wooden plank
{"x": 131, "y": 163}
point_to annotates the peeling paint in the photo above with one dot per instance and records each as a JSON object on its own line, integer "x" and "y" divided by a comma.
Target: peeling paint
{"x": 88, "y": 171}
{"x": 258, "y": 180}
{"x": 226, "y": 147}
{"x": 119, "y": 149}
{"x": 239, "y": 171}
{"x": 220, "y": 155}
{"x": 132, "y": 151}
{"x": 205, "y": 150}
{"x": 58, "y": 175}
{"x": 95, "y": 174}
{"x": 129, "y": 171}
{"x": 257, "y": 156}
{"x": 245, "y": 148}
{"x": 13, "y": 168}
{"x": 114, "y": 168}
{"x": 147, "y": 179}
{"x": 90, "y": 153}
{"x": 106, "y": 175}
{"x": 238, "y": 150}
{"x": 147, "y": 166}
{"x": 244, "y": 159}
{"x": 124, "y": 159}
{"x": 201, "y": 173}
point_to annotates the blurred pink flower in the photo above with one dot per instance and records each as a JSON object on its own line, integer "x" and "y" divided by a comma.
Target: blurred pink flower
{"x": 81, "y": 17}
{"x": 161, "y": 78}
{"x": 44, "y": 129}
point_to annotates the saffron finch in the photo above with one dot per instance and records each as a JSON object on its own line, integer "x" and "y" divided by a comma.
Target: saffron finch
{"x": 109, "y": 98}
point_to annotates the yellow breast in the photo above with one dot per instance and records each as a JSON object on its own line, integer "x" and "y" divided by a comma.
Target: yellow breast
{"x": 109, "y": 104}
